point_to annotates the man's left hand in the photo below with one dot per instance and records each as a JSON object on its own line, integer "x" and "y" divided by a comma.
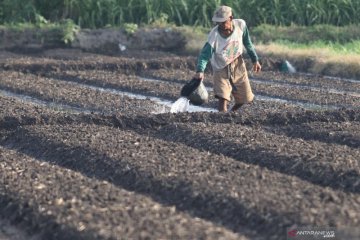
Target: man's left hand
{"x": 256, "y": 67}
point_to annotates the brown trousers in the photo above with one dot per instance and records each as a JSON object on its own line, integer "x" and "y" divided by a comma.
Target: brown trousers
{"x": 233, "y": 81}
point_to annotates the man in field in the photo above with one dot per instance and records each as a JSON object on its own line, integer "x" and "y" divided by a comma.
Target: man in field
{"x": 224, "y": 49}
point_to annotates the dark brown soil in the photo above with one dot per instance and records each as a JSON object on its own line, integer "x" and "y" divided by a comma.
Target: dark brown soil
{"x": 79, "y": 160}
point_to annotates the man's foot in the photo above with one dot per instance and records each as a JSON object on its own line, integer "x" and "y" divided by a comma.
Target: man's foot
{"x": 236, "y": 107}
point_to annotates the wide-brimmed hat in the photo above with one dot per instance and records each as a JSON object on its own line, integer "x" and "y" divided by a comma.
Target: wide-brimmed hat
{"x": 222, "y": 14}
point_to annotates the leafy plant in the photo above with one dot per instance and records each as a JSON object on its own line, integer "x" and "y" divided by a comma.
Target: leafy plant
{"x": 130, "y": 28}
{"x": 69, "y": 29}
{"x": 40, "y": 21}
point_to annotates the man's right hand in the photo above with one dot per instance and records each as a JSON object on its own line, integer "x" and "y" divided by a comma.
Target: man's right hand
{"x": 199, "y": 75}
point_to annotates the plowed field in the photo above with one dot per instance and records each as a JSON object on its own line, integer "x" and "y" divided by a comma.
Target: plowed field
{"x": 88, "y": 151}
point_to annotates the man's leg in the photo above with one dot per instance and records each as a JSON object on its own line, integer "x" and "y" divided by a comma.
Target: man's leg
{"x": 222, "y": 89}
{"x": 222, "y": 107}
{"x": 243, "y": 93}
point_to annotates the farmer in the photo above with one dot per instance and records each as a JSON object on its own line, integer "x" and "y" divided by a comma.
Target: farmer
{"x": 224, "y": 49}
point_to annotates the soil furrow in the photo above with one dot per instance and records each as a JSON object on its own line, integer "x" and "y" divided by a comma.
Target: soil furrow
{"x": 170, "y": 91}
{"x": 308, "y": 88}
{"x": 58, "y": 94}
{"x": 310, "y": 80}
{"x": 123, "y": 172}
{"x": 64, "y": 92}
{"x": 307, "y": 96}
{"x": 202, "y": 183}
{"x": 15, "y": 113}
{"x": 72, "y": 95}
{"x": 337, "y": 168}
{"x": 138, "y": 86}
{"x": 345, "y": 133}
{"x": 320, "y": 82}
{"x": 56, "y": 203}
{"x": 38, "y": 64}
{"x": 74, "y": 60}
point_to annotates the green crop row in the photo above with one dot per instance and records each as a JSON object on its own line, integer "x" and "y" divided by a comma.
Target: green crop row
{"x": 101, "y": 13}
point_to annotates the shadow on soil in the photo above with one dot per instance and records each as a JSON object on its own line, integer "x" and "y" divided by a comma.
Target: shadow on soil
{"x": 22, "y": 216}
{"x": 309, "y": 134}
{"x": 179, "y": 193}
{"x": 160, "y": 125}
{"x": 319, "y": 173}
{"x": 208, "y": 205}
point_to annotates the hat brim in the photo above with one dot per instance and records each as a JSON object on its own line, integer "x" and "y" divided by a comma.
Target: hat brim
{"x": 219, "y": 20}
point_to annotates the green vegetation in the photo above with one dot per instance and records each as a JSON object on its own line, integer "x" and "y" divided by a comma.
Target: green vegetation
{"x": 332, "y": 22}
{"x": 301, "y": 34}
{"x": 130, "y": 28}
{"x": 332, "y": 39}
{"x": 64, "y": 30}
{"x": 352, "y": 47}
{"x": 101, "y": 13}
{"x": 68, "y": 29}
